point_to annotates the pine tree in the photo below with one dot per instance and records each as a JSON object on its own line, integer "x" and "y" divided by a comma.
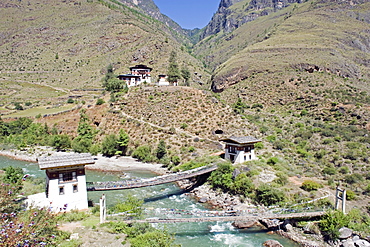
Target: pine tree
{"x": 173, "y": 69}
{"x": 161, "y": 149}
{"x": 185, "y": 73}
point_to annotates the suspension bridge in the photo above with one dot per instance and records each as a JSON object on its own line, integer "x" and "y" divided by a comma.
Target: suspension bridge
{"x": 252, "y": 214}
{"x": 250, "y": 217}
{"x": 145, "y": 182}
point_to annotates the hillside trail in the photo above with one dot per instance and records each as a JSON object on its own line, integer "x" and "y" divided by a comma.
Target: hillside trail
{"x": 180, "y": 131}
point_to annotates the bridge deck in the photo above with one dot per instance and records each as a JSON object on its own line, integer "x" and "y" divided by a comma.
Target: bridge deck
{"x": 138, "y": 183}
{"x": 250, "y": 217}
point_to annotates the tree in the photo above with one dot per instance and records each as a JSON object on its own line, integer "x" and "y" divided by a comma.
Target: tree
{"x": 143, "y": 153}
{"x": 161, "y": 149}
{"x": 18, "y": 106}
{"x": 110, "y": 73}
{"x": 14, "y": 176}
{"x": 32, "y": 227}
{"x": 86, "y": 134}
{"x": 109, "y": 145}
{"x": 61, "y": 142}
{"x": 185, "y": 73}
{"x": 173, "y": 69}
{"x": 222, "y": 177}
{"x": 123, "y": 140}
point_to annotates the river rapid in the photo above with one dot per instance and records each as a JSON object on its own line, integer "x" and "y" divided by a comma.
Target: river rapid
{"x": 167, "y": 200}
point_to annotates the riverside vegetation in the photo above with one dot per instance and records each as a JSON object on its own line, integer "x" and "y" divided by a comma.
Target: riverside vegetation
{"x": 294, "y": 76}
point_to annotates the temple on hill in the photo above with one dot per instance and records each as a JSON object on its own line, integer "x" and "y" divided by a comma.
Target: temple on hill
{"x": 138, "y": 74}
{"x": 240, "y": 149}
{"x": 65, "y": 182}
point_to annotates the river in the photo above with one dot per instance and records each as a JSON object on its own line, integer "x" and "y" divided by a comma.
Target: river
{"x": 169, "y": 196}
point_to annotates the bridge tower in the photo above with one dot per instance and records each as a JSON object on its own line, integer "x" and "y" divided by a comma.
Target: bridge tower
{"x": 65, "y": 181}
{"x": 339, "y": 197}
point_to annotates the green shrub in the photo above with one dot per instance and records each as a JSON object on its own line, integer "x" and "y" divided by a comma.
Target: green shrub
{"x": 175, "y": 160}
{"x": 268, "y": 195}
{"x": 144, "y": 153}
{"x": 353, "y": 178}
{"x": 350, "y": 195}
{"x": 70, "y": 101}
{"x": 344, "y": 170}
{"x": 271, "y": 138}
{"x": 329, "y": 170}
{"x": 331, "y": 222}
{"x": 282, "y": 178}
{"x": 222, "y": 177}
{"x": 259, "y": 146}
{"x": 155, "y": 238}
{"x": 100, "y": 102}
{"x": 272, "y": 161}
{"x": 131, "y": 205}
{"x": 309, "y": 185}
{"x": 74, "y": 215}
{"x": 242, "y": 185}
{"x": 367, "y": 189}
{"x": 183, "y": 126}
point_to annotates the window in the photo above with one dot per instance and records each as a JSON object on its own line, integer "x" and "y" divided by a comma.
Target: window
{"x": 75, "y": 188}
{"x": 67, "y": 176}
{"x": 61, "y": 190}
{"x": 232, "y": 149}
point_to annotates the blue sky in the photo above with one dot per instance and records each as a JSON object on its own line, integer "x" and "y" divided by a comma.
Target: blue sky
{"x": 189, "y": 13}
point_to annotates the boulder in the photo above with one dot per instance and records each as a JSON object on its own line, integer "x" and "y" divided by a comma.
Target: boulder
{"x": 203, "y": 200}
{"x": 244, "y": 224}
{"x": 288, "y": 227}
{"x": 272, "y": 243}
{"x": 362, "y": 243}
{"x": 348, "y": 243}
{"x": 345, "y": 233}
{"x": 74, "y": 236}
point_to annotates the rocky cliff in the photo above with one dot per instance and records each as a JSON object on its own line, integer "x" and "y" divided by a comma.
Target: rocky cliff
{"x": 228, "y": 17}
{"x": 148, "y": 7}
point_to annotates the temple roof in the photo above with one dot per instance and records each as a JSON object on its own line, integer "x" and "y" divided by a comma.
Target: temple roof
{"x": 129, "y": 75}
{"x": 140, "y": 66}
{"x": 241, "y": 139}
{"x": 66, "y": 160}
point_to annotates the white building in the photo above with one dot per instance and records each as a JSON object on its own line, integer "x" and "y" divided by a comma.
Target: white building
{"x": 139, "y": 74}
{"x": 240, "y": 149}
{"x": 65, "y": 182}
{"x": 163, "y": 80}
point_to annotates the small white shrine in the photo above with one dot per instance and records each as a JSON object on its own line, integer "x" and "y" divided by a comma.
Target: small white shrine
{"x": 240, "y": 149}
{"x": 65, "y": 182}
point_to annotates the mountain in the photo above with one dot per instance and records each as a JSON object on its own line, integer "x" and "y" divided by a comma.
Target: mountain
{"x": 148, "y": 7}
{"x": 284, "y": 37}
{"x": 48, "y": 48}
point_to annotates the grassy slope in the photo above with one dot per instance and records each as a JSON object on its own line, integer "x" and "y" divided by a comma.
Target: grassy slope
{"x": 67, "y": 45}
{"x": 316, "y": 123}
